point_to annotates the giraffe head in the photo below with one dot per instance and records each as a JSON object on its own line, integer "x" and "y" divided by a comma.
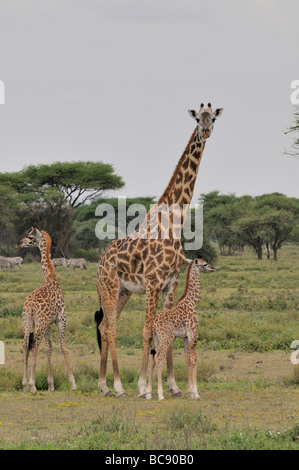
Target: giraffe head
{"x": 205, "y": 119}
{"x": 33, "y": 238}
{"x": 201, "y": 266}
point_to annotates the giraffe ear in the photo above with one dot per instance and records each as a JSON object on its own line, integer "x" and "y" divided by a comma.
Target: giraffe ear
{"x": 218, "y": 111}
{"x": 35, "y": 231}
{"x": 192, "y": 113}
{"x": 188, "y": 260}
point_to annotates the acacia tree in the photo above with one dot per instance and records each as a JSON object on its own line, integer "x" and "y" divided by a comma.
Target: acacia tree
{"x": 280, "y": 219}
{"x": 251, "y": 228}
{"x": 280, "y": 224}
{"x": 267, "y": 220}
{"x": 78, "y": 181}
{"x": 49, "y": 194}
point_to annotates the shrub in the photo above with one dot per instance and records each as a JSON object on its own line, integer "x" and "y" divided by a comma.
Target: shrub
{"x": 10, "y": 380}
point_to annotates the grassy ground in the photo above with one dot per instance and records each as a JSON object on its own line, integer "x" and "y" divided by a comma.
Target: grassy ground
{"x": 249, "y": 312}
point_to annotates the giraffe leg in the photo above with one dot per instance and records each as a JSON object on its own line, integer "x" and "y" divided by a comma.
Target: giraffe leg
{"x": 192, "y": 360}
{"x": 123, "y": 298}
{"x": 187, "y": 360}
{"x": 152, "y": 366}
{"x": 26, "y": 355}
{"x": 168, "y": 299}
{"x": 107, "y": 289}
{"x": 37, "y": 340}
{"x": 113, "y": 301}
{"x": 108, "y": 333}
{"x": 108, "y": 337}
{"x": 103, "y": 364}
{"x": 150, "y": 378}
{"x": 49, "y": 354}
{"x": 159, "y": 376}
{"x": 173, "y": 388}
{"x": 192, "y": 339}
{"x": 61, "y": 325}
{"x": 160, "y": 355}
{"x": 112, "y": 345}
{"x": 152, "y": 295}
{"x": 26, "y": 328}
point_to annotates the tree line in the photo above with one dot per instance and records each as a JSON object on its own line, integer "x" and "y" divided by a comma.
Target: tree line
{"x": 49, "y": 195}
{"x": 62, "y": 199}
{"x": 263, "y": 223}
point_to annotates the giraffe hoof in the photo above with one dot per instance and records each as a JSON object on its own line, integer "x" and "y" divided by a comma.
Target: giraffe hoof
{"x": 122, "y": 395}
{"x": 142, "y": 395}
{"x": 194, "y": 396}
{"x": 176, "y": 394}
{"x": 109, "y": 394}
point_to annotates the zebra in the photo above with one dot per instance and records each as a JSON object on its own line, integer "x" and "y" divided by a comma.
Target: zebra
{"x": 4, "y": 263}
{"x": 60, "y": 262}
{"x": 77, "y": 263}
{"x": 17, "y": 260}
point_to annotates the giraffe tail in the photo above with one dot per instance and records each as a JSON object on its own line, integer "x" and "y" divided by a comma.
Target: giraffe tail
{"x": 98, "y": 317}
{"x": 156, "y": 344}
{"x": 30, "y": 341}
{"x": 28, "y": 320}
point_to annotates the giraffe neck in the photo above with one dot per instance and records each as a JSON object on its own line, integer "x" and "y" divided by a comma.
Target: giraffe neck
{"x": 181, "y": 186}
{"x": 45, "y": 246}
{"x": 192, "y": 286}
{"x": 176, "y": 197}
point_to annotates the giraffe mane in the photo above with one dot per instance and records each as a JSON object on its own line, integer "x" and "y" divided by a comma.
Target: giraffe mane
{"x": 188, "y": 274}
{"x": 48, "y": 246}
{"x": 177, "y": 168}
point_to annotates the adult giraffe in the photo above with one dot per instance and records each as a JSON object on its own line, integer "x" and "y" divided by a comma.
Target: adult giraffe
{"x": 143, "y": 265}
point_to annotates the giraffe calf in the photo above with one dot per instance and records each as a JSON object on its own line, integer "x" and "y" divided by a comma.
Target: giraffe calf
{"x": 42, "y": 307}
{"x": 179, "y": 321}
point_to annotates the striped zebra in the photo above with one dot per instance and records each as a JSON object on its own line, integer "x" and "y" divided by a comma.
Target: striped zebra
{"x": 60, "y": 262}
{"x": 4, "y": 263}
{"x": 16, "y": 261}
{"x": 77, "y": 263}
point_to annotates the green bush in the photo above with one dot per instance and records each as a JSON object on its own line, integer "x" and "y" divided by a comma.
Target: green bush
{"x": 10, "y": 380}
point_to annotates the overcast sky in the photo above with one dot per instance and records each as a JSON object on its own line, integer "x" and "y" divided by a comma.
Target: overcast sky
{"x": 112, "y": 80}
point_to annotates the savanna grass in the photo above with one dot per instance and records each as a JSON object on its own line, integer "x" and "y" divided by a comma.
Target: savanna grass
{"x": 247, "y": 304}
